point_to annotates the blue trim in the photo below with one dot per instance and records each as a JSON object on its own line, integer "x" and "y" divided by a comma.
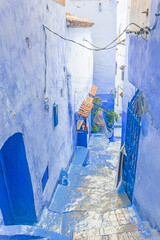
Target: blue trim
{"x": 45, "y": 178}
{"x": 55, "y": 113}
{"x": 124, "y": 123}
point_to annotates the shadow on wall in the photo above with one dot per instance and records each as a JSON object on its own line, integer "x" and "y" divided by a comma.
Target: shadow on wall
{"x": 16, "y": 198}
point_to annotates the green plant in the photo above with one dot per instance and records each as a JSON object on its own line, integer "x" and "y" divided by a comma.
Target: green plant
{"x": 111, "y": 117}
{"x": 97, "y": 103}
{"x": 94, "y": 128}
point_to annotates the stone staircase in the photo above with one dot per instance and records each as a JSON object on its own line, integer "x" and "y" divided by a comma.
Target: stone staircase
{"x": 122, "y": 223}
{"x": 90, "y": 208}
{"x": 126, "y": 231}
{"x": 26, "y": 232}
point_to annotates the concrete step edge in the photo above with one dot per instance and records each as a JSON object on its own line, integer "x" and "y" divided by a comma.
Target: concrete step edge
{"x": 112, "y": 230}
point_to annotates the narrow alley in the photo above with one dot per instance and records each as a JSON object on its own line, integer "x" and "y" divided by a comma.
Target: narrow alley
{"x": 90, "y": 207}
{"x": 79, "y": 119}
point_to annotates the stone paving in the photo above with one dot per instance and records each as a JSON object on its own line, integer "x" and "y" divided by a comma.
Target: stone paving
{"x": 90, "y": 208}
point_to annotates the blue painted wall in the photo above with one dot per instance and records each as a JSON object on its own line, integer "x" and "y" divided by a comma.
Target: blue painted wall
{"x": 6, "y": 210}
{"x": 17, "y": 181}
{"x": 103, "y": 32}
{"x": 32, "y": 68}
{"x": 144, "y": 73}
{"x": 22, "y": 83}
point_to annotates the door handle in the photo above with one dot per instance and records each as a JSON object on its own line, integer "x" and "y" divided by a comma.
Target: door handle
{"x": 146, "y": 12}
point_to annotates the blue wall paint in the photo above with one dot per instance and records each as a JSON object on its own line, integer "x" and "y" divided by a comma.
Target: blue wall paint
{"x": 17, "y": 181}
{"x": 124, "y": 122}
{"x": 23, "y": 71}
{"x": 4, "y": 198}
{"x": 144, "y": 73}
{"x": 45, "y": 178}
{"x": 107, "y": 103}
{"x": 22, "y": 80}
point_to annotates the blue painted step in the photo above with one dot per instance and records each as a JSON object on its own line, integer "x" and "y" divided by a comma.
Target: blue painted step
{"x": 20, "y": 232}
{"x": 81, "y": 156}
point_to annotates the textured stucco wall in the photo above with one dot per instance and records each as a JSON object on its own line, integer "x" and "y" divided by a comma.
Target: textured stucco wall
{"x": 79, "y": 65}
{"x": 103, "y": 32}
{"x": 22, "y": 81}
{"x": 128, "y": 92}
{"x": 120, "y": 57}
{"x": 144, "y": 73}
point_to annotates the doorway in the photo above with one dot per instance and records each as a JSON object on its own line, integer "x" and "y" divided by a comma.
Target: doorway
{"x": 133, "y": 129}
{"x": 16, "y": 200}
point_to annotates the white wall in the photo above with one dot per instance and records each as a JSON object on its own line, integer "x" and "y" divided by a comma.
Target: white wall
{"x": 79, "y": 65}
{"x": 103, "y": 32}
{"x": 120, "y": 56}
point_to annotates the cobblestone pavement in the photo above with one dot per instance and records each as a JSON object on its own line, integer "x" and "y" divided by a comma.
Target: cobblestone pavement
{"x": 90, "y": 208}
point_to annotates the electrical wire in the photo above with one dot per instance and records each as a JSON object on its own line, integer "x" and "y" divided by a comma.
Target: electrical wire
{"x": 116, "y": 44}
{"x": 146, "y": 30}
{"x": 144, "y": 35}
{"x": 69, "y": 40}
{"x": 115, "y": 38}
{"x": 113, "y": 46}
{"x": 96, "y": 48}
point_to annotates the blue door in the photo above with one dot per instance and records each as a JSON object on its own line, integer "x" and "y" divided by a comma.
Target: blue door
{"x": 4, "y": 198}
{"x": 133, "y": 129}
{"x": 82, "y": 138}
{"x": 16, "y": 200}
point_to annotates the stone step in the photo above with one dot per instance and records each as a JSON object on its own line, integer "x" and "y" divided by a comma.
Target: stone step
{"x": 78, "y": 221}
{"x": 51, "y": 221}
{"x": 136, "y": 235}
{"x": 113, "y": 230}
{"x": 112, "y": 225}
{"x": 29, "y": 232}
{"x": 69, "y": 199}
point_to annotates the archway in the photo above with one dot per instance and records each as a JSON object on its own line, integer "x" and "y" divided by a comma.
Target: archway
{"x": 16, "y": 200}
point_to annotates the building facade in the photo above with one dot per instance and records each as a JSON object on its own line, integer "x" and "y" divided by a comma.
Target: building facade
{"x": 103, "y": 14}
{"x": 79, "y": 60}
{"x": 144, "y": 74}
{"x": 120, "y": 58}
{"x": 36, "y": 139}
